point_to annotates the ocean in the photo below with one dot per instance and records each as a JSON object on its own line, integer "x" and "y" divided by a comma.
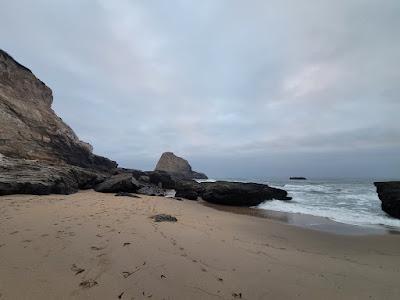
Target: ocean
{"x": 353, "y": 202}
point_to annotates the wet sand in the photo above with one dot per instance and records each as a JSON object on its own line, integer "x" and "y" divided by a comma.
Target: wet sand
{"x": 97, "y": 246}
{"x": 308, "y": 221}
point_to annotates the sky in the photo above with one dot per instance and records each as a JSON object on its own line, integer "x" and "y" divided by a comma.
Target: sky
{"x": 242, "y": 89}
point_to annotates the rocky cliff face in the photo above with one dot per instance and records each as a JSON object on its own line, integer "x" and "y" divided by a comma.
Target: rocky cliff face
{"x": 30, "y": 129}
{"x": 389, "y": 194}
{"x": 177, "y": 166}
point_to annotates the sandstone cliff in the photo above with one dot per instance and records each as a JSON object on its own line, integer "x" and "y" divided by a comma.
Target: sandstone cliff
{"x": 177, "y": 166}
{"x": 30, "y": 129}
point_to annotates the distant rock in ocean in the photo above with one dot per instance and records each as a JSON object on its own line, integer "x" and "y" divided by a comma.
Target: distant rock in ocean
{"x": 389, "y": 194}
{"x": 30, "y": 129}
{"x": 177, "y": 167}
{"x": 297, "y": 178}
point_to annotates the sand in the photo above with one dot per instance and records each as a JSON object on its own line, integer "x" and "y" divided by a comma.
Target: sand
{"x": 97, "y": 246}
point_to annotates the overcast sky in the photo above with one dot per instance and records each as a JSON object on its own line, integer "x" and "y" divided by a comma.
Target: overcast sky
{"x": 240, "y": 88}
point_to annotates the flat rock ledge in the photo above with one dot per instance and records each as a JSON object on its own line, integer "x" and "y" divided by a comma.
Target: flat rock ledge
{"x": 22, "y": 176}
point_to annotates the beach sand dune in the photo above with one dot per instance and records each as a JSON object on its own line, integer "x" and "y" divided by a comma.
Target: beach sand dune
{"x": 97, "y": 246}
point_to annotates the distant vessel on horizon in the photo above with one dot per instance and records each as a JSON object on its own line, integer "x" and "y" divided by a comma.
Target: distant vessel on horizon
{"x": 297, "y": 178}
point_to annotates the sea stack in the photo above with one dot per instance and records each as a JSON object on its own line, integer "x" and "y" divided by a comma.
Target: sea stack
{"x": 389, "y": 194}
{"x": 177, "y": 167}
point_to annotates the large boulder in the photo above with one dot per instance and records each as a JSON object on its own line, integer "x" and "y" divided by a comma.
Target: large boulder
{"x": 240, "y": 194}
{"x": 123, "y": 182}
{"x": 177, "y": 167}
{"x": 161, "y": 179}
{"x": 389, "y": 194}
{"x": 188, "y": 189}
{"x": 30, "y": 129}
{"x": 22, "y": 176}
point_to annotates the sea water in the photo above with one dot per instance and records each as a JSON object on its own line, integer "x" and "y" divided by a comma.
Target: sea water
{"x": 352, "y": 201}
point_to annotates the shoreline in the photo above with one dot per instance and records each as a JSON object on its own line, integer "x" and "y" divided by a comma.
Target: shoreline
{"x": 93, "y": 245}
{"x": 307, "y": 221}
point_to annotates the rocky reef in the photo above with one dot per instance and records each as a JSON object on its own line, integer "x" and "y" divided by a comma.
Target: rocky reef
{"x": 177, "y": 167}
{"x": 389, "y": 194}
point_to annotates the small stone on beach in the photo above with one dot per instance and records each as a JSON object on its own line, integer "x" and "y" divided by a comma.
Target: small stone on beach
{"x": 164, "y": 218}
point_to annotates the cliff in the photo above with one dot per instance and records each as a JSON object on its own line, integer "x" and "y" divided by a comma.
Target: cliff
{"x": 30, "y": 129}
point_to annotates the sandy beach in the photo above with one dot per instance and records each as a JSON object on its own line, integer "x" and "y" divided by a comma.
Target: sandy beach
{"x": 91, "y": 245}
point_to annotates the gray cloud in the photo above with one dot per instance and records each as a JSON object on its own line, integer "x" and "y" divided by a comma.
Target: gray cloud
{"x": 255, "y": 88}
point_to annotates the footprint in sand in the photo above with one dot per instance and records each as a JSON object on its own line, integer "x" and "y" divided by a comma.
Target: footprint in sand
{"x": 95, "y": 248}
{"x": 87, "y": 284}
{"x": 76, "y": 269}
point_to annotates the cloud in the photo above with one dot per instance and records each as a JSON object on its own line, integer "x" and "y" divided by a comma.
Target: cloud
{"x": 219, "y": 80}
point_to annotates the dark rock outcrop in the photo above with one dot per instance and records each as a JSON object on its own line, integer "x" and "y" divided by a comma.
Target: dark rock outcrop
{"x": 240, "y": 194}
{"x": 389, "y": 194}
{"x": 188, "y": 189}
{"x": 161, "y": 179}
{"x": 22, "y": 176}
{"x": 177, "y": 167}
{"x": 124, "y": 182}
{"x": 30, "y": 129}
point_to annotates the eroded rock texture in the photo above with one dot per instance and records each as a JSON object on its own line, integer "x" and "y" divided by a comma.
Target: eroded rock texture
{"x": 30, "y": 129}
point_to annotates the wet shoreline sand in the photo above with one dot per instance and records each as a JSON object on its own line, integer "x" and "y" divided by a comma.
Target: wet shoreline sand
{"x": 97, "y": 246}
{"x": 308, "y": 221}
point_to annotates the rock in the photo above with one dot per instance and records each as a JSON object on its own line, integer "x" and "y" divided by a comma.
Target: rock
{"x": 124, "y": 194}
{"x": 164, "y": 218}
{"x": 389, "y": 194}
{"x": 240, "y": 194}
{"x": 30, "y": 129}
{"x": 298, "y": 178}
{"x": 161, "y": 179}
{"x": 123, "y": 182}
{"x": 177, "y": 167}
{"x": 151, "y": 190}
{"x": 188, "y": 189}
{"x": 22, "y": 176}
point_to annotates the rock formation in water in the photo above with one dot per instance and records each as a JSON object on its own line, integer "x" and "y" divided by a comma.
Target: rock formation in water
{"x": 39, "y": 153}
{"x": 30, "y": 129}
{"x": 389, "y": 194}
{"x": 177, "y": 166}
